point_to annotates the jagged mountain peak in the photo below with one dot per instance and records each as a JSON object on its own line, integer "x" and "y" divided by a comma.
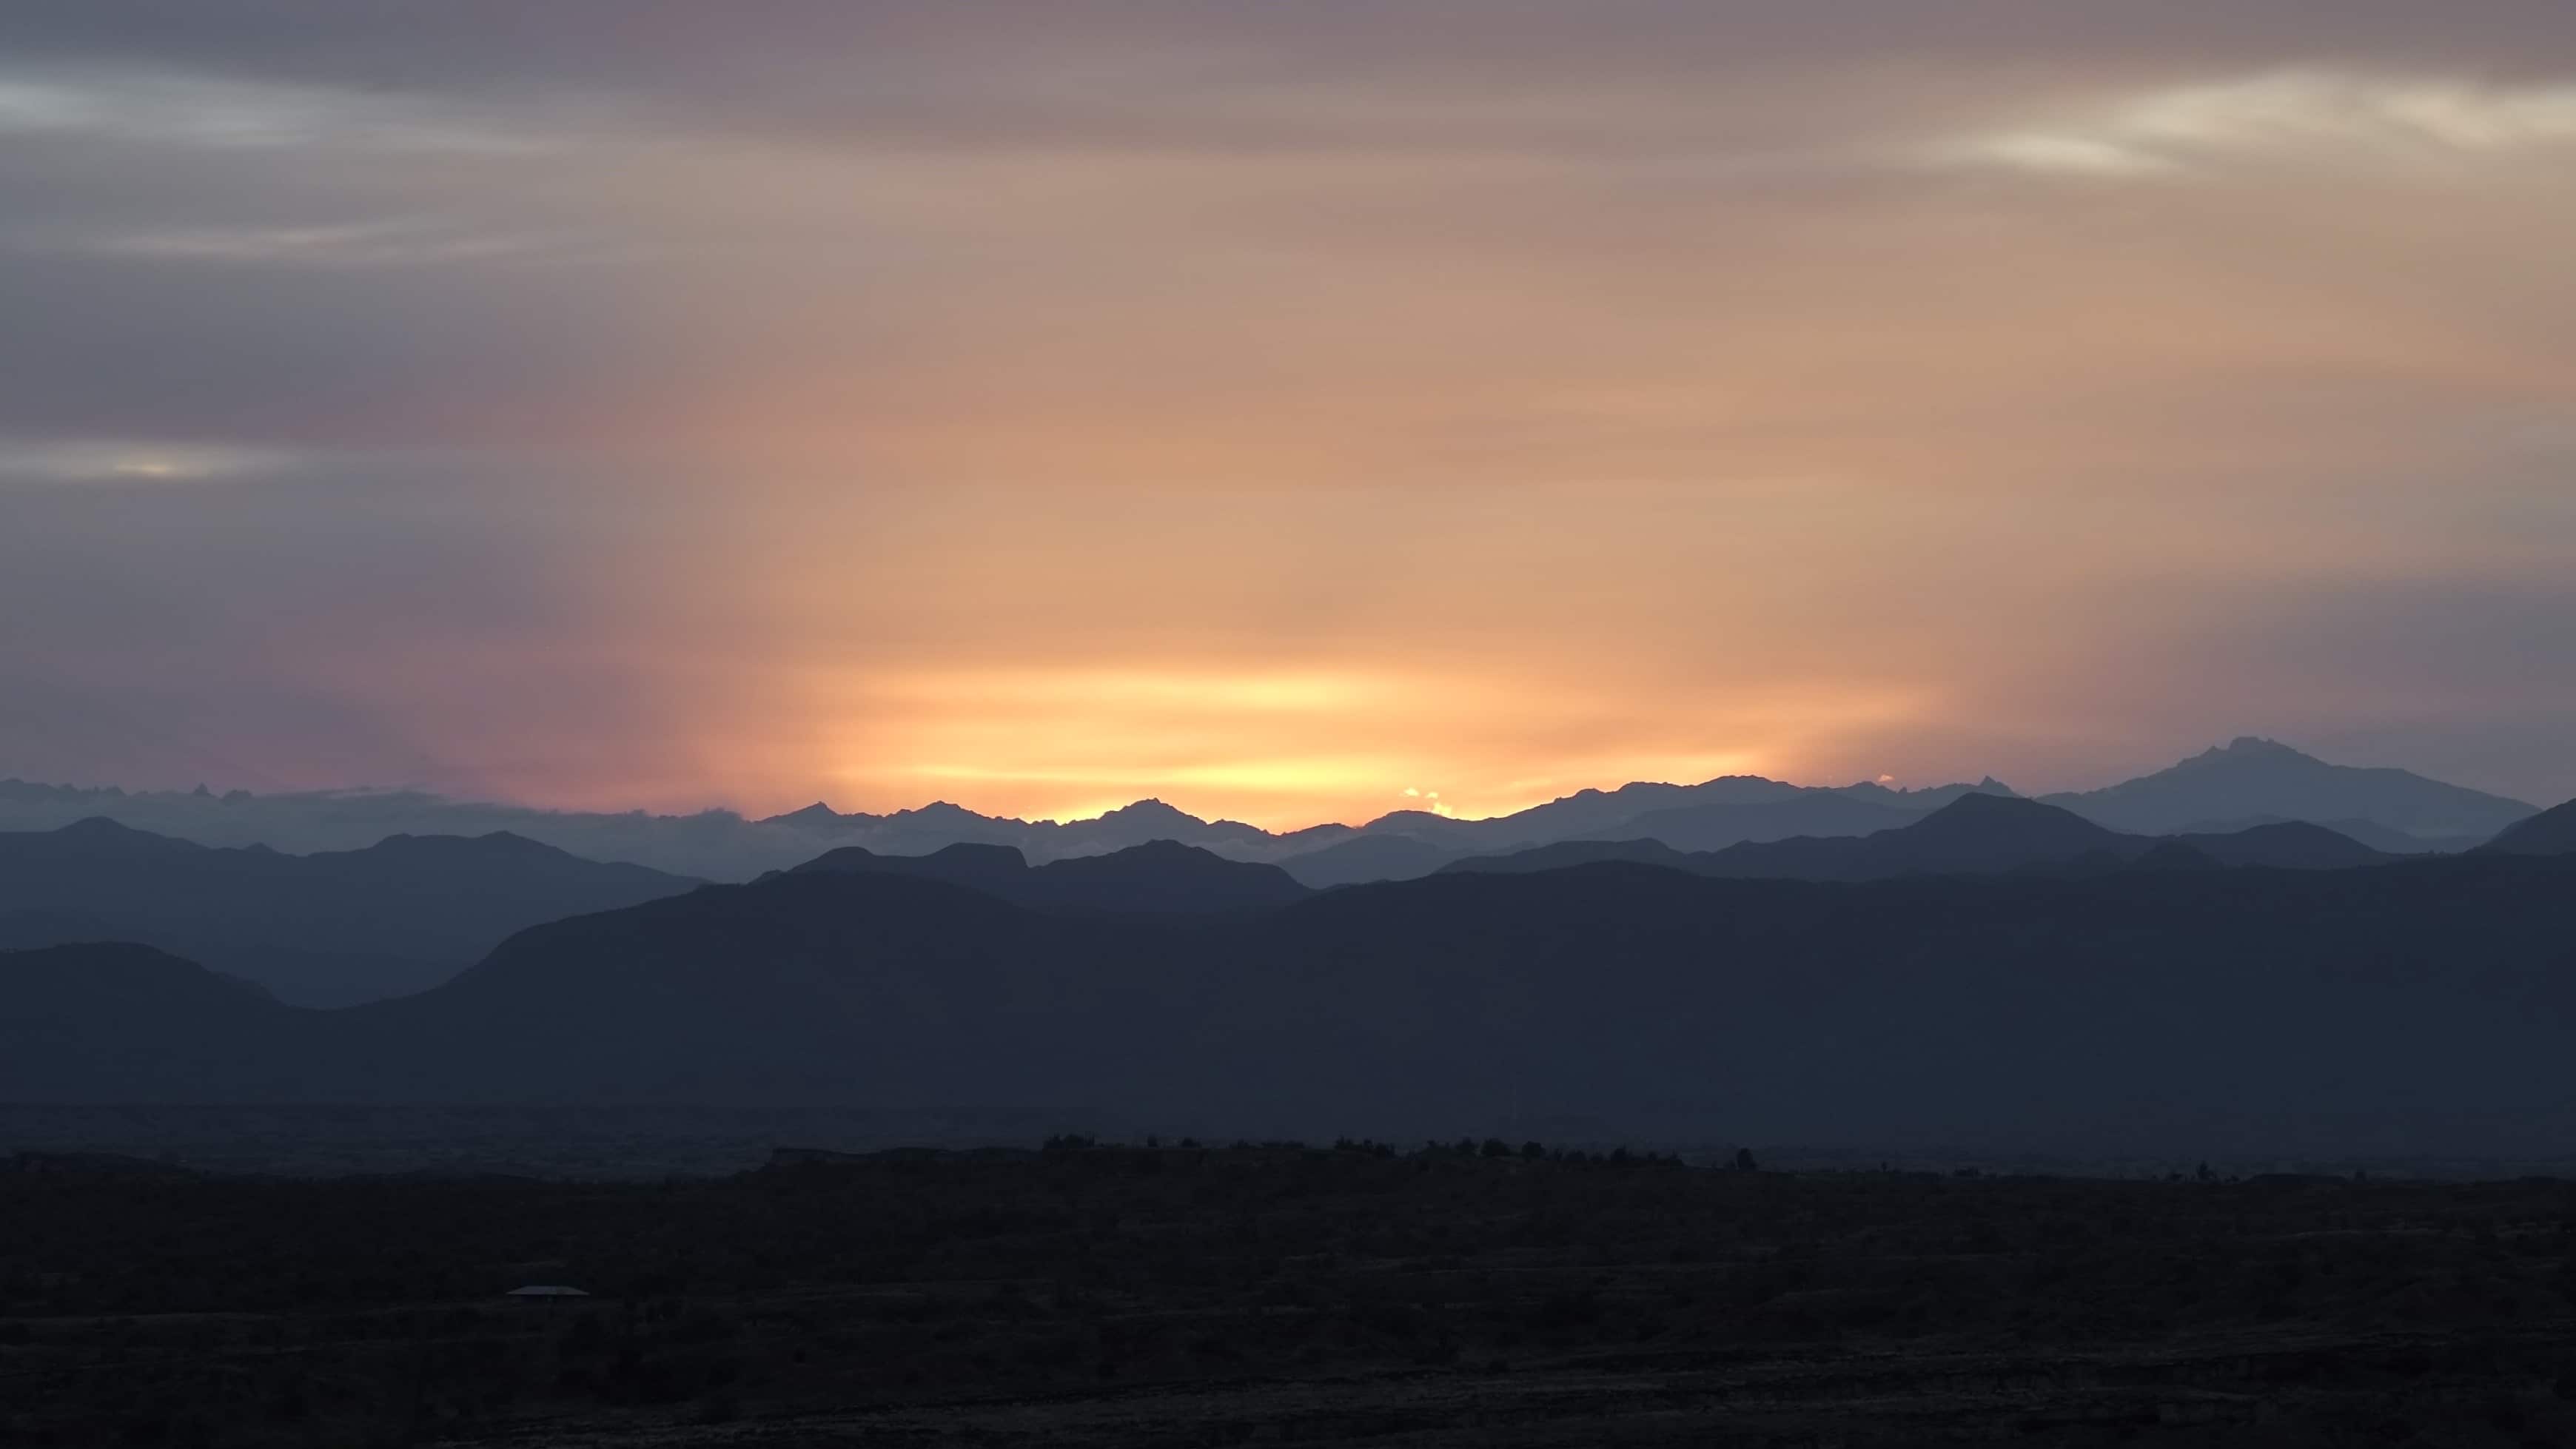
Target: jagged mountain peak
{"x": 2250, "y": 747}
{"x": 1149, "y": 809}
{"x": 817, "y": 813}
{"x": 940, "y": 810}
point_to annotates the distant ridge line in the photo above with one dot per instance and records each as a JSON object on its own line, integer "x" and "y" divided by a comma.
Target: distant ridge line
{"x": 2249, "y": 780}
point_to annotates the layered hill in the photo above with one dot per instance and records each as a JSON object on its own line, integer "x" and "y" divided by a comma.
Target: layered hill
{"x": 2417, "y": 1007}
{"x": 1365, "y": 858}
{"x": 1971, "y": 835}
{"x": 2284, "y": 845}
{"x": 326, "y": 929}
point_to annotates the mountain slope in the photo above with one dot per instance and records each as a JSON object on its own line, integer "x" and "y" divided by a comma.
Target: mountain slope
{"x": 2551, "y": 832}
{"x": 2387, "y": 840}
{"x": 120, "y": 1022}
{"x": 2252, "y": 776}
{"x": 323, "y": 929}
{"x": 2284, "y": 845}
{"x": 1165, "y": 877}
{"x": 1588, "y": 812}
{"x": 1973, "y": 834}
{"x": 1565, "y": 854}
{"x": 1714, "y": 827}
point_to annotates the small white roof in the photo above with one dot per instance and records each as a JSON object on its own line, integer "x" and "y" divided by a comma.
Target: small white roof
{"x": 545, "y": 1290}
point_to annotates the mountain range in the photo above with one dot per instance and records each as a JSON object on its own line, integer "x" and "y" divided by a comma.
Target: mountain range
{"x": 2247, "y": 782}
{"x": 2419, "y": 1006}
{"x": 2277, "y": 985}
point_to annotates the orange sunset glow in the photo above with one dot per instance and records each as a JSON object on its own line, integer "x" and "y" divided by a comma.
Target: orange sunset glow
{"x": 1277, "y": 411}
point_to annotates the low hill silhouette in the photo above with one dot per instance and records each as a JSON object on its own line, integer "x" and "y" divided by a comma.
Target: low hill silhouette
{"x": 1365, "y": 858}
{"x": 1160, "y": 877}
{"x": 2284, "y": 845}
{"x": 1567, "y": 853}
{"x": 2386, "y": 839}
{"x": 1973, "y": 834}
{"x": 1714, "y": 827}
{"x": 325, "y": 929}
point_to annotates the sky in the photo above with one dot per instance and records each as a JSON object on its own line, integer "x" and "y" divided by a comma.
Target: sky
{"x": 1278, "y": 409}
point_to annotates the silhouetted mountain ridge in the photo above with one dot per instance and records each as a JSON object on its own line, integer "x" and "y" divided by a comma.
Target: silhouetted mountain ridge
{"x": 2249, "y": 781}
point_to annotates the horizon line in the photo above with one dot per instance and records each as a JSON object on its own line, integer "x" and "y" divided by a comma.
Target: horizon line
{"x": 1883, "y": 782}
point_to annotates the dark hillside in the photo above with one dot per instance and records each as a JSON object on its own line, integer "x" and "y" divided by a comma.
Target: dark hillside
{"x": 2424, "y": 1007}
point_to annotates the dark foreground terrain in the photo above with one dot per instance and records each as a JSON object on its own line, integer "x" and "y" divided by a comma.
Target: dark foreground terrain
{"x": 1099, "y": 1296}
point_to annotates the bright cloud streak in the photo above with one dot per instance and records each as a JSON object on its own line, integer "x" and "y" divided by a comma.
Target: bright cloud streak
{"x": 50, "y": 461}
{"x": 2284, "y": 116}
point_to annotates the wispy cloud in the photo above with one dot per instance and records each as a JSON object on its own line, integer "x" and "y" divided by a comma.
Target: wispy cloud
{"x": 133, "y": 461}
{"x": 2306, "y": 115}
{"x": 397, "y": 242}
{"x": 214, "y": 113}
